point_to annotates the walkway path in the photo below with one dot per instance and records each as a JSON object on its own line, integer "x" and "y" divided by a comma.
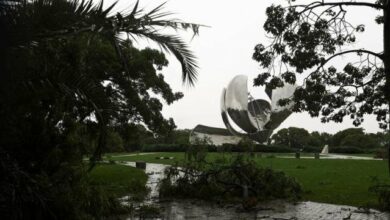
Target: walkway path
{"x": 131, "y": 155}
{"x": 334, "y": 156}
{"x": 276, "y": 210}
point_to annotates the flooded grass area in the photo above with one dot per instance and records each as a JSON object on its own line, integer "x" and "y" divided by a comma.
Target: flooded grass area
{"x": 338, "y": 181}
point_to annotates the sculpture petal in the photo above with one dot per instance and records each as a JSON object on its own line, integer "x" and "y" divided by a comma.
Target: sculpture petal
{"x": 236, "y": 103}
{"x": 225, "y": 116}
{"x": 281, "y": 93}
{"x": 260, "y": 112}
{"x": 257, "y": 117}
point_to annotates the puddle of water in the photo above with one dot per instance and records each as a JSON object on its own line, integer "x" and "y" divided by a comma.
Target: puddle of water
{"x": 272, "y": 210}
{"x": 155, "y": 173}
{"x": 281, "y": 210}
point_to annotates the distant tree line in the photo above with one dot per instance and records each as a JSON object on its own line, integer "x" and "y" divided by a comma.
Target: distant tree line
{"x": 136, "y": 137}
{"x": 351, "y": 138}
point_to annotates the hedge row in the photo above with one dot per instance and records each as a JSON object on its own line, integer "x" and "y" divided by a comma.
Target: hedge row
{"x": 256, "y": 148}
{"x": 347, "y": 150}
{"x": 213, "y": 148}
{"x": 171, "y": 148}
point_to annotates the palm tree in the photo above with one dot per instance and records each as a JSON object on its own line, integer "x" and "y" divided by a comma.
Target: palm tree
{"x": 30, "y": 21}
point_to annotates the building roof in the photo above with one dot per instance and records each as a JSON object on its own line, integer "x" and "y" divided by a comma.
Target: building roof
{"x": 211, "y": 130}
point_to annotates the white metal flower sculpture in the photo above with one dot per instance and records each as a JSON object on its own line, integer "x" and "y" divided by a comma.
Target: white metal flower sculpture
{"x": 257, "y": 117}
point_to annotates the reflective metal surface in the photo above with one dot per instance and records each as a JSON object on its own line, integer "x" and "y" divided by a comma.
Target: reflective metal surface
{"x": 281, "y": 93}
{"x": 236, "y": 103}
{"x": 257, "y": 117}
{"x": 225, "y": 116}
{"x": 259, "y": 111}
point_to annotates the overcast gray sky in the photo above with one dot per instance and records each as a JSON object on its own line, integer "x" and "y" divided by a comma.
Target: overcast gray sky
{"x": 225, "y": 50}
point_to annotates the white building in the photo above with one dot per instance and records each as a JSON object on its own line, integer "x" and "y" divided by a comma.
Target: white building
{"x": 217, "y": 136}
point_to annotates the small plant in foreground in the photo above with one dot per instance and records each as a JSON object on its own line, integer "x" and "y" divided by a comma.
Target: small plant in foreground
{"x": 382, "y": 190}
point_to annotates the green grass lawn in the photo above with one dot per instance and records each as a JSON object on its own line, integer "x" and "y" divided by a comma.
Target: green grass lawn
{"x": 331, "y": 181}
{"x": 119, "y": 179}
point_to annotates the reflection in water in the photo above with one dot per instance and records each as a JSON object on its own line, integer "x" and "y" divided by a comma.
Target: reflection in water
{"x": 155, "y": 172}
{"x": 187, "y": 209}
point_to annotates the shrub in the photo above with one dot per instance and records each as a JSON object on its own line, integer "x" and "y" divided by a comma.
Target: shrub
{"x": 382, "y": 190}
{"x": 346, "y": 150}
{"x": 311, "y": 149}
{"x": 274, "y": 149}
{"x": 164, "y": 148}
{"x": 381, "y": 153}
{"x": 256, "y": 148}
{"x": 174, "y": 147}
{"x": 71, "y": 196}
{"x": 226, "y": 148}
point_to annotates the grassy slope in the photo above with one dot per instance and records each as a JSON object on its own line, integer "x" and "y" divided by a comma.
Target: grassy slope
{"x": 330, "y": 181}
{"x": 119, "y": 179}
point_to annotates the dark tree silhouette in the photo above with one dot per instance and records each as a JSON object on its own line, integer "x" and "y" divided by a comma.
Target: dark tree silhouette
{"x": 307, "y": 38}
{"x": 28, "y": 24}
{"x": 69, "y": 74}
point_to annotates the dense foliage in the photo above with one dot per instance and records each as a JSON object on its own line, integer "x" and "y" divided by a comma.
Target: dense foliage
{"x": 382, "y": 190}
{"x": 306, "y": 40}
{"x": 70, "y": 83}
{"x": 292, "y": 137}
{"x": 238, "y": 180}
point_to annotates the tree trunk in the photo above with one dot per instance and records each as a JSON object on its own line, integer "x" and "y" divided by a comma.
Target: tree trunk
{"x": 386, "y": 61}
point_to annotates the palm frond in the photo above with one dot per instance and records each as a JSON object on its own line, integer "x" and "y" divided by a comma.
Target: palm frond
{"x": 150, "y": 25}
{"x": 176, "y": 46}
{"x": 135, "y": 10}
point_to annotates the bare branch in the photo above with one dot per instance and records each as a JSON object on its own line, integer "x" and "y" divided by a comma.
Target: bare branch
{"x": 321, "y": 4}
{"x": 350, "y": 51}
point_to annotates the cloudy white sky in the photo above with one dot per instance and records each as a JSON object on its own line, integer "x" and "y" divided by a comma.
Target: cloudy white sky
{"x": 225, "y": 50}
